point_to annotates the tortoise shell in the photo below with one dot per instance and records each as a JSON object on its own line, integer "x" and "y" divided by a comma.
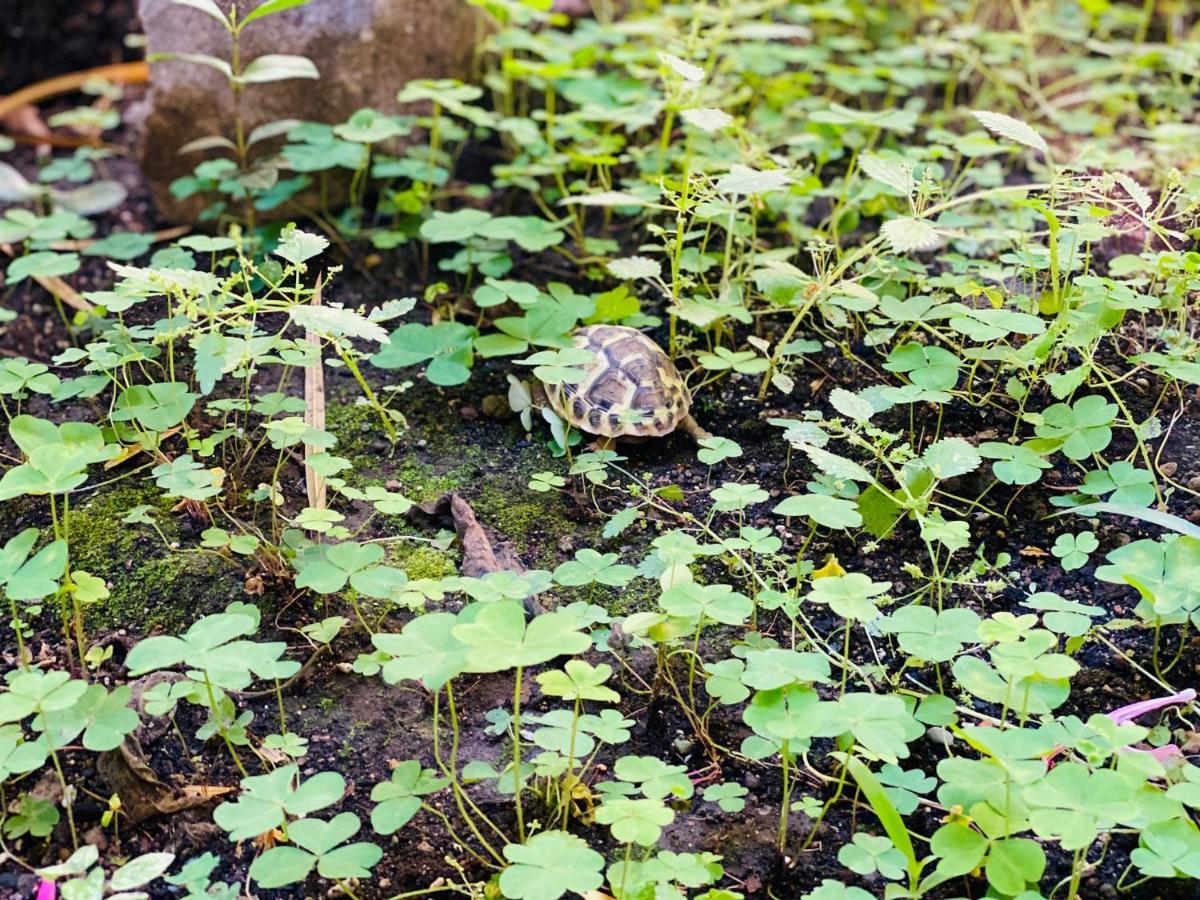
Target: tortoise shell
{"x": 631, "y": 389}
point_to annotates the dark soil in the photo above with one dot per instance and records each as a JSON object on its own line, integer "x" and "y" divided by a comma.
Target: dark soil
{"x": 358, "y": 726}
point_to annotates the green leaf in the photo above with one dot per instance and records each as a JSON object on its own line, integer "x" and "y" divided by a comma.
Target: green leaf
{"x": 960, "y": 849}
{"x": 1014, "y": 863}
{"x": 156, "y": 407}
{"x": 879, "y": 722}
{"x": 498, "y": 638}
{"x": 579, "y": 680}
{"x": 549, "y": 865}
{"x": 932, "y": 368}
{"x": 831, "y": 512}
{"x": 447, "y": 347}
{"x": 886, "y": 812}
{"x": 277, "y": 67}
{"x": 1015, "y": 130}
{"x": 778, "y": 667}
{"x": 298, "y": 246}
{"x": 635, "y": 821}
{"x": 929, "y": 635}
{"x": 1081, "y": 429}
{"x": 895, "y": 174}
{"x": 459, "y": 226}
{"x": 714, "y": 602}
{"x": 590, "y": 567}
{"x": 729, "y": 796}
{"x": 327, "y": 569}
{"x": 42, "y": 263}
{"x": 140, "y": 871}
{"x": 399, "y": 800}
{"x": 40, "y": 576}
{"x": 208, "y": 7}
{"x": 655, "y": 779}
{"x": 270, "y": 8}
{"x": 951, "y": 457}
{"x": 266, "y": 801}
{"x": 281, "y": 866}
{"x": 907, "y": 234}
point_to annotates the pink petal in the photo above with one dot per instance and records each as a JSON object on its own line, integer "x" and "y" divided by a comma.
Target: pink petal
{"x": 1133, "y": 711}
{"x": 47, "y": 890}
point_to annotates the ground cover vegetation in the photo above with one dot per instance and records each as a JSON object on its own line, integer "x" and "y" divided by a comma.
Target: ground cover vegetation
{"x": 916, "y": 621}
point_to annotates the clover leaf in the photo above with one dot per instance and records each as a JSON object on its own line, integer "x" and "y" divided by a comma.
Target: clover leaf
{"x": 654, "y": 778}
{"x": 398, "y": 800}
{"x": 446, "y": 347}
{"x": 498, "y": 638}
{"x": 868, "y": 854}
{"x": 635, "y": 820}
{"x": 548, "y": 865}
{"x": 732, "y": 496}
{"x": 579, "y": 680}
{"x": 851, "y": 596}
{"x": 715, "y": 449}
{"x": 1125, "y": 483}
{"x": 589, "y": 567}
{"x": 776, "y": 668}
{"x": 1014, "y": 463}
{"x": 929, "y": 635}
{"x": 730, "y": 796}
{"x": 1164, "y": 572}
{"x": 714, "y": 602}
{"x": 880, "y": 722}
{"x": 931, "y": 368}
{"x": 320, "y": 844}
{"x": 31, "y": 579}
{"x": 426, "y": 650}
{"x": 56, "y": 456}
{"x": 1074, "y": 549}
{"x": 830, "y": 512}
{"x": 328, "y": 568}
{"x": 1080, "y": 429}
{"x": 267, "y": 800}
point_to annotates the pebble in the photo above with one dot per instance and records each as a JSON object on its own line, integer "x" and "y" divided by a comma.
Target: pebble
{"x": 938, "y": 735}
{"x": 496, "y": 407}
{"x": 469, "y": 413}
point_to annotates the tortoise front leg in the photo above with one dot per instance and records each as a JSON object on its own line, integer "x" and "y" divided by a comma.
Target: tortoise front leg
{"x": 689, "y": 425}
{"x": 603, "y": 443}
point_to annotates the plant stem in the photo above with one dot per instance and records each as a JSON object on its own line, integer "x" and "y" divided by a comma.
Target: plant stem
{"x": 516, "y": 762}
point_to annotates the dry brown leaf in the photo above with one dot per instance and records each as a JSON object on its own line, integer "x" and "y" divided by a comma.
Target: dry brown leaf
{"x": 134, "y": 449}
{"x": 142, "y": 794}
{"x": 483, "y": 553}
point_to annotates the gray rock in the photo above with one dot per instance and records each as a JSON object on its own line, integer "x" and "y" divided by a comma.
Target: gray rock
{"x": 365, "y": 50}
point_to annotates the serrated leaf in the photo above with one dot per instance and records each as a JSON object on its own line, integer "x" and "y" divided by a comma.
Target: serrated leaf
{"x": 907, "y": 234}
{"x": 1015, "y": 130}
{"x": 894, "y": 174}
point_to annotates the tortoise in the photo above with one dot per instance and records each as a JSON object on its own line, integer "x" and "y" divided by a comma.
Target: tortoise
{"x": 631, "y": 389}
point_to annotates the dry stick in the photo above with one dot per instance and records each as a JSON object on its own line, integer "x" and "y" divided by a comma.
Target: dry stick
{"x": 314, "y": 412}
{"x": 120, "y": 73}
{"x": 158, "y": 237}
{"x": 57, "y": 287}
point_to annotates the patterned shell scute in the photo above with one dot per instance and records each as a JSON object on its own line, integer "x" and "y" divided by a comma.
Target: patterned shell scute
{"x": 631, "y": 389}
